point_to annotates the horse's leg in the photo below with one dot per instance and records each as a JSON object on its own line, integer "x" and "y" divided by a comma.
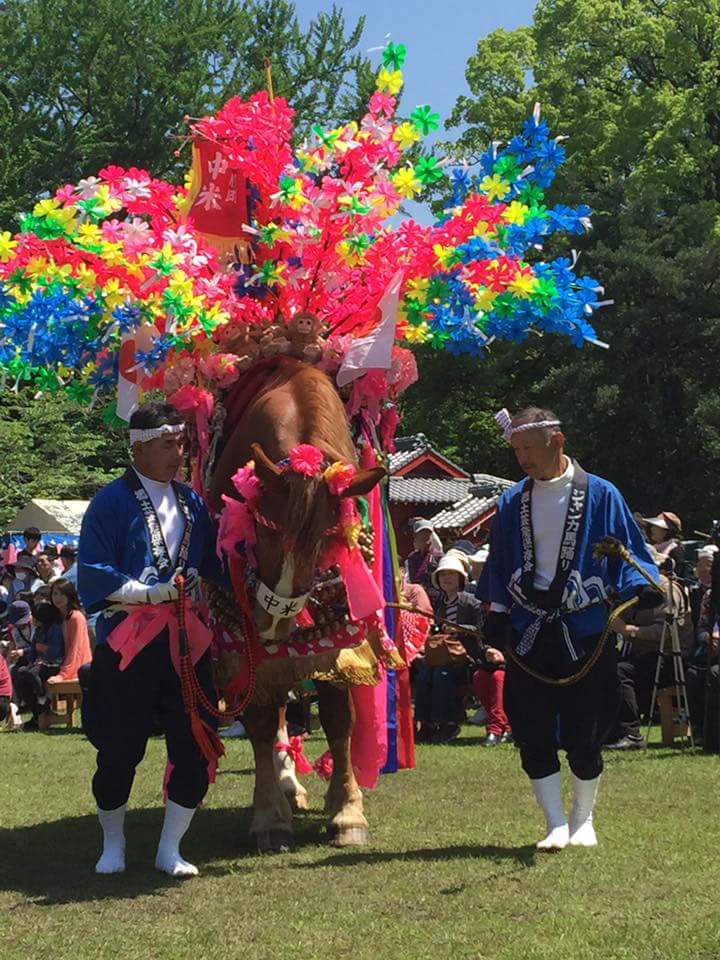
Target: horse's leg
{"x": 343, "y": 802}
{"x": 272, "y": 817}
{"x": 285, "y": 765}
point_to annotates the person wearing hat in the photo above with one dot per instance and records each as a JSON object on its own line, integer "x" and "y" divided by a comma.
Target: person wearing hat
{"x": 421, "y": 563}
{"x": 448, "y": 654}
{"x": 548, "y": 593}
{"x": 140, "y": 534}
{"x": 703, "y": 576}
{"x": 665, "y": 532}
{"x": 477, "y": 559}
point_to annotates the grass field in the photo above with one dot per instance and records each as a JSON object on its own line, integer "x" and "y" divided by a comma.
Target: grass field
{"x": 451, "y": 872}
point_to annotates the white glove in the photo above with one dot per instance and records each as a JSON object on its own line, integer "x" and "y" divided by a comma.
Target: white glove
{"x": 134, "y": 591}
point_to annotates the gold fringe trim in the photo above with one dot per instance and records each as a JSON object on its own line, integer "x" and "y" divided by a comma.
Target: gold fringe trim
{"x": 353, "y": 665}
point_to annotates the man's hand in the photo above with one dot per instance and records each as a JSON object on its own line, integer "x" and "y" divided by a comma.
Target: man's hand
{"x": 162, "y": 592}
{"x": 15, "y": 655}
{"x": 494, "y": 656}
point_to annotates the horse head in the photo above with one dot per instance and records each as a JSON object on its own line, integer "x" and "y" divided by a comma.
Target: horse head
{"x": 295, "y": 516}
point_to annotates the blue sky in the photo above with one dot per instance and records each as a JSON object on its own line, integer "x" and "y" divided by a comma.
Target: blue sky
{"x": 440, "y": 36}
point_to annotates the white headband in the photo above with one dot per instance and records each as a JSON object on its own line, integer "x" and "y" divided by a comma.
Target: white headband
{"x": 143, "y": 436}
{"x": 505, "y": 421}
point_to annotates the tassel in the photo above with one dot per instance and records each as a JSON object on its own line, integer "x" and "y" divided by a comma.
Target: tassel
{"x": 210, "y": 744}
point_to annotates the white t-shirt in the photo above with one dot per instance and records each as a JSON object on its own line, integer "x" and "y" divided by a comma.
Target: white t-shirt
{"x": 172, "y": 522}
{"x": 549, "y": 504}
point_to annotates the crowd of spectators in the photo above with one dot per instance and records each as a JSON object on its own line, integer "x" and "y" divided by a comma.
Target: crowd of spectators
{"x": 45, "y": 634}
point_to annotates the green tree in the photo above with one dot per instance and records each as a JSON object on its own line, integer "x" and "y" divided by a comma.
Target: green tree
{"x": 53, "y": 448}
{"x": 635, "y": 86}
{"x": 90, "y": 82}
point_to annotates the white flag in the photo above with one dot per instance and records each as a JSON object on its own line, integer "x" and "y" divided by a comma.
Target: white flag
{"x": 129, "y": 375}
{"x": 374, "y": 352}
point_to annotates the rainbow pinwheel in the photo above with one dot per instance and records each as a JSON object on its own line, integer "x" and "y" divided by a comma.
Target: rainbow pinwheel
{"x": 122, "y": 252}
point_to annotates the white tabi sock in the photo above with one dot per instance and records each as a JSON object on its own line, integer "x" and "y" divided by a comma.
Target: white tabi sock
{"x": 548, "y": 794}
{"x": 113, "y": 828}
{"x": 582, "y": 831}
{"x": 168, "y": 859}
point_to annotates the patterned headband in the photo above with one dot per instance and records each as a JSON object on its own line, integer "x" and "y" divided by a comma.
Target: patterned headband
{"x": 505, "y": 421}
{"x": 144, "y": 436}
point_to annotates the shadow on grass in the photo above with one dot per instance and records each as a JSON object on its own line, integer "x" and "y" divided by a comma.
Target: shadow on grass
{"x": 52, "y": 863}
{"x": 524, "y": 856}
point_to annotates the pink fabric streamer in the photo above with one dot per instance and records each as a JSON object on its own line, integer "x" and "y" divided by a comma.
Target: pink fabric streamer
{"x": 200, "y": 403}
{"x": 147, "y": 621}
{"x": 369, "y": 744}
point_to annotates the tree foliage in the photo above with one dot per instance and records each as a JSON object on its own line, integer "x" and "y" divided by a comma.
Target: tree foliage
{"x": 634, "y": 84}
{"x": 53, "y": 448}
{"x": 90, "y": 82}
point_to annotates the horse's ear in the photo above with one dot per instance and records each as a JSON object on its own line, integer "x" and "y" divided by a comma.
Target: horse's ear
{"x": 269, "y": 474}
{"x": 364, "y": 481}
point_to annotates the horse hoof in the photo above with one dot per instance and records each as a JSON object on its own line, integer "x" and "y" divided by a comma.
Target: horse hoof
{"x": 356, "y": 836}
{"x": 274, "y": 841}
{"x": 299, "y": 801}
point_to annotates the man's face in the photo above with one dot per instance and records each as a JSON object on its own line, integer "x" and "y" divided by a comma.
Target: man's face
{"x": 160, "y": 459}
{"x": 44, "y": 567}
{"x": 31, "y": 544}
{"x": 537, "y": 453}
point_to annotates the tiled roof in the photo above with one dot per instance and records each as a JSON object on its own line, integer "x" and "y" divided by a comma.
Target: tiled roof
{"x": 427, "y": 490}
{"x": 407, "y": 450}
{"x": 463, "y": 512}
{"x": 484, "y": 484}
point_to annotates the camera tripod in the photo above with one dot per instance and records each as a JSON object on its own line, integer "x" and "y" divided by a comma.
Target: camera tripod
{"x": 670, "y": 635}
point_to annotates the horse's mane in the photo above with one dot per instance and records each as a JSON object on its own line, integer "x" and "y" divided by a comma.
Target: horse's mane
{"x": 324, "y": 422}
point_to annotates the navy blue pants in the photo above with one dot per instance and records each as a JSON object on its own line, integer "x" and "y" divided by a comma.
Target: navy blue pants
{"x": 577, "y": 718}
{"x": 120, "y": 712}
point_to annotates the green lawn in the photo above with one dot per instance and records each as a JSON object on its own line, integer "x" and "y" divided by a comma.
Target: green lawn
{"x": 451, "y": 872}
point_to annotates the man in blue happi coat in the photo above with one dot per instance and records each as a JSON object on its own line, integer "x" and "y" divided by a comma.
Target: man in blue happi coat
{"x": 140, "y": 534}
{"x": 550, "y": 599}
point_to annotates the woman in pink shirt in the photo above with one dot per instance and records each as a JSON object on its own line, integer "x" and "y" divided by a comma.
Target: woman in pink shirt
{"x": 75, "y": 627}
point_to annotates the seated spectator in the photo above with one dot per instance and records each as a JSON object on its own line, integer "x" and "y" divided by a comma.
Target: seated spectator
{"x": 68, "y": 562}
{"x": 45, "y": 572}
{"x": 702, "y": 687}
{"x": 25, "y": 575}
{"x": 414, "y": 627}
{"x": 53, "y": 555}
{"x": 423, "y": 561}
{"x": 5, "y": 691}
{"x": 478, "y": 559}
{"x": 74, "y": 622}
{"x": 703, "y": 573}
{"x": 78, "y": 650}
{"x": 448, "y": 653}
{"x": 665, "y": 536}
{"x": 642, "y": 631}
{"x": 48, "y": 654}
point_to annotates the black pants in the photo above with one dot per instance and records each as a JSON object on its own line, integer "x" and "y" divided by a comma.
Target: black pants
{"x": 637, "y": 676}
{"x": 4, "y": 708}
{"x": 698, "y": 692}
{"x": 30, "y": 685}
{"x": 118, "y": 712}
{"x": 577, "y": 717}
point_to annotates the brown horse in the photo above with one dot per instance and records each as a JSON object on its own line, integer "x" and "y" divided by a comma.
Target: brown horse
{"x": 295, "y": 404}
